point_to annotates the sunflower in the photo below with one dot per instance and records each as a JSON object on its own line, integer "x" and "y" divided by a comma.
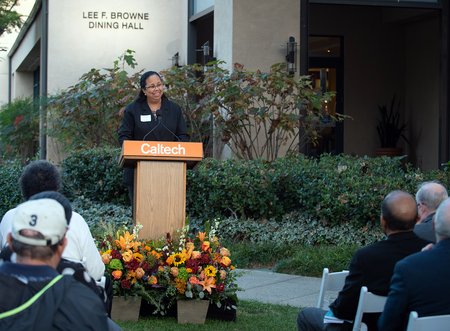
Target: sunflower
{"x": 178, "y": 258}
{"x": 210, "y": 271}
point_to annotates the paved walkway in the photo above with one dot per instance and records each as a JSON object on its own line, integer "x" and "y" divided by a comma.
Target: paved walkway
{"x": 270, "y": 287}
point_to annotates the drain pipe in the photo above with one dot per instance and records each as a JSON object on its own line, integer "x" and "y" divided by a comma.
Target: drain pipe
{"x": 43, "y": 83}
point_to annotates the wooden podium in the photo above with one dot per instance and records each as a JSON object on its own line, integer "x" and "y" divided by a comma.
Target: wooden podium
{"x": 159, "y": 183}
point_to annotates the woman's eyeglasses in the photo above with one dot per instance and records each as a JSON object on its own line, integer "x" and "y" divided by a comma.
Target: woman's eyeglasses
{"x": 154, "y": 87}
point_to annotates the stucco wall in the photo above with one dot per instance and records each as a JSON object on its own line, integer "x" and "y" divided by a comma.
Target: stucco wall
{"x": 78, "y": 42}
{"x": 261, "y": 30}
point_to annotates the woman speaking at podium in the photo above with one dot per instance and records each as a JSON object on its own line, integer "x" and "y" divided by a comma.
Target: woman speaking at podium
{"x": 151, "y": 116}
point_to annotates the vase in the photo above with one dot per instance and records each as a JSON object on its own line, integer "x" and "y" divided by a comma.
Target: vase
{"x": 125, "y": 309}
{"x": 192, "y": 311}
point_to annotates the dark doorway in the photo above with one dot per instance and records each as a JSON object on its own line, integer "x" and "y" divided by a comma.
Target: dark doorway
{"x": 326, "y": 70}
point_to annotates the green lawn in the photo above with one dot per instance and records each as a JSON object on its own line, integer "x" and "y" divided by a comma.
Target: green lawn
{"x": 251, "y": 315}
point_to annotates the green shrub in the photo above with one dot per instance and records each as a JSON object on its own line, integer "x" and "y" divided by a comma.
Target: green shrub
{"x": 10, "y": 195}
{"x": 94, "y": 174}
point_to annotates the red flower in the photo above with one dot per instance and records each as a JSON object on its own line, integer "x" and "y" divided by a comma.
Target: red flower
{"x": 192, "y": 264}
{"x": 18, "y": 120}
{"x": 220, "y": 287}
{"x": 116, "y": 254}
{"x": 132, "y": 265}
{"x": 125, "y": 284}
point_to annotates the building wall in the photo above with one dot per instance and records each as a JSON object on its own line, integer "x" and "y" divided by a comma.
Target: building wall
{"x": 261, "y": 30}
{"x": 85, "y": 34}
{"x": 422, "y": 91}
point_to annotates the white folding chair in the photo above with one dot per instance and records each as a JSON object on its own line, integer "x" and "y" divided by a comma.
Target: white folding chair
{"x": 331, "y": 281}
{"x": 428, "y": 323}
{"x": 368, "y": 303}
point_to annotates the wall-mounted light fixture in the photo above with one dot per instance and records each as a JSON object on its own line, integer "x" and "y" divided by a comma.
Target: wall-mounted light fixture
{"x": 291, "y": 55}
{"x": 176, "y": 60}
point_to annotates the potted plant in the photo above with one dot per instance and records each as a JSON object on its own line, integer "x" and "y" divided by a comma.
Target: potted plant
{"x": 390, "y": 129}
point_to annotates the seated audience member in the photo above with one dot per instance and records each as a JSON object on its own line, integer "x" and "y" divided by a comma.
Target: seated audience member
{"x": 428, "y": 198}
{"x": 40, "y": 176}
{"x": 372, "y": 266}
{"x": 34, "y": 296}
{"x": 420, "y": 281}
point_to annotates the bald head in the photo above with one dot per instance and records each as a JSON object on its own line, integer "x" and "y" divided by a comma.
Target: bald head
{"x": 399, "y": 211}
{"x": 442, "y": 221}
{"x": 429, "y": 197}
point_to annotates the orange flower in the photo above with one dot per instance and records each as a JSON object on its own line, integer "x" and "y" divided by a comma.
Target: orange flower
{"x": 174, "y": 271}
{"x": 194, "y": 280}
{"x": 117, "y": 274}
{"x": 208, "y": 284}
{"x": 106, "y": 258}
{"x": 201, "y": 236}
{"x": 125, "y": 242}
{"x": 196, "y": 255}
{"x": 140, "y": 273}
{"x": 226, "y": 261}
{"x": 169, "y": 260}
{"x": 223, "y": 274}
{"x": 205, "y": 246}
{"x": 152, "y": 280}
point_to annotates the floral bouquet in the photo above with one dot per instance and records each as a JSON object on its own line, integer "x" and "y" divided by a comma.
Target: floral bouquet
{"x": 198, "y": 267}
{"x": 180, "y": 267}
{"x": 129, "y": 262}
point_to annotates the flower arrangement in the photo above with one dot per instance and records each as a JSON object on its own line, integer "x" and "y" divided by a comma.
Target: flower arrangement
{"x": 129, "y": 262}
{"x": 178, "y": 267}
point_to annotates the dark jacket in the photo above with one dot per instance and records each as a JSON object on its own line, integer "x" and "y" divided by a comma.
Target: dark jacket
{"x": 372, "y": 266}
{"x": 67, "y": 305}
{"x": 425, "y": 229}
{"x": 420, "y": 283}
{"x": 139, "y": 124}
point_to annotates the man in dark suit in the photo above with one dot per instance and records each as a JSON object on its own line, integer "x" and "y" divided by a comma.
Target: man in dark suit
{"x": 420, "y": 281}
{"x": 373, "y": 265}
{"x": 428, "y": 198}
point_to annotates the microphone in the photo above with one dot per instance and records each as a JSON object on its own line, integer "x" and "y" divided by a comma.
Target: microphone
{"x": 158, "y": 120}
{"x": 173, "y": 134}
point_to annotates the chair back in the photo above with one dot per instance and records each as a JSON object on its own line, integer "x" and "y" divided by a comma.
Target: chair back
{"x": 428, "y": 323}
{"x": 368, "y": 303}
{"x": 331, "y": 281}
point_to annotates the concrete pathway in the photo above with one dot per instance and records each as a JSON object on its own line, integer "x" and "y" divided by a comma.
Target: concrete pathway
{"x": 271, "y": 287}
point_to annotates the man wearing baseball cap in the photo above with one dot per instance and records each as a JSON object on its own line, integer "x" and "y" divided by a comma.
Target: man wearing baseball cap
{"x": 34, "y": 296}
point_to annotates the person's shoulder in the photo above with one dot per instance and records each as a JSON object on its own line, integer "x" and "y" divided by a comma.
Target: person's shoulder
{"x": 77, "y": 218}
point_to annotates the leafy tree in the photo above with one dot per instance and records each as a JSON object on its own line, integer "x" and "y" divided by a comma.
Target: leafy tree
{"x": 256, "y": 113}
{"x": 9, "y": 18}
{"x": 88, "y": 114}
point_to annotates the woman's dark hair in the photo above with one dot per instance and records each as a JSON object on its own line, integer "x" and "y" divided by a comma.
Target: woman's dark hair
{"x": 59, "y": 198}
{"x": 141, "y": 96}
{"x": 39, "y": 176}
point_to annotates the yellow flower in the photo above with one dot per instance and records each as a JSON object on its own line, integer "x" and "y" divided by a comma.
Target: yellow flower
{"x": 226, "y": 261}
{"x": 189, "y": 270}
{"x": 210, "y": 271}
{"x": 178, "y": 258}
{"x": 127, "y": 256}
{"x": 224, "y": 251}
{"x": 138, "y": 257}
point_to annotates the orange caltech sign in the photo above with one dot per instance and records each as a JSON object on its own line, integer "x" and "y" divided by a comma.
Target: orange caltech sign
{"x": 134, "y": 150}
